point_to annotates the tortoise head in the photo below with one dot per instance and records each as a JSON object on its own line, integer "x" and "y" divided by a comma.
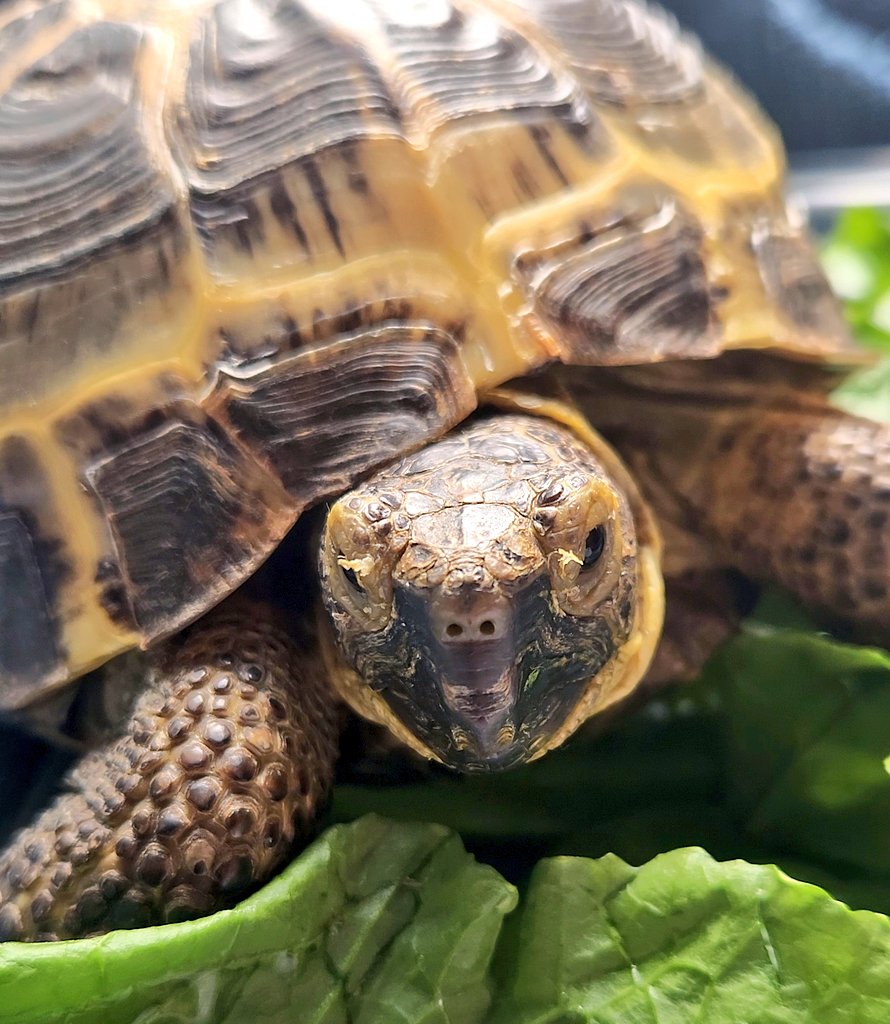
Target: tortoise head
{"x": 485, "y": 593}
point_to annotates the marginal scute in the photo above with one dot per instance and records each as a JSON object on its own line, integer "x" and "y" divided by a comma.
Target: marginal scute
{"x": 29, "y": 642}
{"x": 775, "y": 292}
{"x": 190, "y": 514}
{"x": 792, "y": 276}
{"x": 628, "y": 284}
{"x": 322, "y": 416}
{"x": 33, "y": 571}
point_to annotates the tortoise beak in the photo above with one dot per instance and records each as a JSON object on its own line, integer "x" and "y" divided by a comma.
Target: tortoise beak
{"x": 474, "y": 639}
{"x": 479, "y": 687}
{"x": 474, "y": 644}
{"x": 482, "y": 680}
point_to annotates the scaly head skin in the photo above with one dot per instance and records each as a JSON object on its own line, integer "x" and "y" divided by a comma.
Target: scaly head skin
{"x": 485, "y": 593}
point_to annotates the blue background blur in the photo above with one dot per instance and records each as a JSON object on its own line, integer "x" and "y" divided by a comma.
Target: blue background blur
{"x": 820, "y": 67}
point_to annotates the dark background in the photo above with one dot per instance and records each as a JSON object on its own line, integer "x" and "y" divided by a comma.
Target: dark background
{"x": 821, "y": 68}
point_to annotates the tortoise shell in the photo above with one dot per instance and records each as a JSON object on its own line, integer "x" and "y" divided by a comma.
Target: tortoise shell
{"x": 251, "y": 249}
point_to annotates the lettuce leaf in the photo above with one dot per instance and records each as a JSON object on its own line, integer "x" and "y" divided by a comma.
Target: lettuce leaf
{"x": 375, "y": 922}
{"x": 381, "y": 922}
{"x": 684, "y": 938}
{"x": 857, "y": 260}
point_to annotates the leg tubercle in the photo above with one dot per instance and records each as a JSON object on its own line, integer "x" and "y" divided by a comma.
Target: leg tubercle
{"x": 224, "y": 765}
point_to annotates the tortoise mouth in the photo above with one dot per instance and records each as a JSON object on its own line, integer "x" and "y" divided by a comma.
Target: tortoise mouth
{"x": 484, "y": 704}
{"x": 479, "y": 687}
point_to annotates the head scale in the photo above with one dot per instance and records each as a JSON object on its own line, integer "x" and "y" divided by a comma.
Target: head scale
{"x": 482, "y": 592}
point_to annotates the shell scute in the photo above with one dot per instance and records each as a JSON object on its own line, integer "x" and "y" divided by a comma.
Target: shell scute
{"x": 250, "y": 249}
{"x": 89, "y": 218}
{"x": 187, "y": 511}
{"x": 33, "y": 574}
{"x": 265, "y": 100}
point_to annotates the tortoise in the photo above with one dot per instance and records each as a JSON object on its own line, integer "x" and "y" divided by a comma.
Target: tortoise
{"x": 260, "y": 256}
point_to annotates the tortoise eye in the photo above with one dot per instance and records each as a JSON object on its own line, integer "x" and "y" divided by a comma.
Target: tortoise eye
{"x": 594, "y": 546}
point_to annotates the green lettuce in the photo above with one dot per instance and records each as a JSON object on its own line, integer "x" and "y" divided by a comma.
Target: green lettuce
{"x": 857, "y": 261}
{"x": 375, "y": 922}
{"x": 687, "y": 939}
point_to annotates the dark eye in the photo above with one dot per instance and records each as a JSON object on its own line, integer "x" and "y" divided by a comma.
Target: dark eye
{"x": 594, "y": 546}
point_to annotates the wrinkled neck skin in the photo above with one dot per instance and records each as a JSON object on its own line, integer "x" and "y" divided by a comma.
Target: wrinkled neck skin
{"x": 480, "y": 594}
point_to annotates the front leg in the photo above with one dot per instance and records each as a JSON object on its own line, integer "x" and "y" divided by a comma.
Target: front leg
{"x": 703, "y": 609}
{"x": 747, "y": 466}
{"x": 224, "y": 764}
{"x": 803, "y": 498}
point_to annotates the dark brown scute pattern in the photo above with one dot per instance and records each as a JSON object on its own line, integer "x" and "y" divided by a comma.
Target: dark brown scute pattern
{"x": 32, "y": 573}
{"x": 29, "y": 641}
{"x": 224, "y": 766}
{"x": 72, "y": 146}
{"x": 272, "y": 332}
{"x": 790, "y": 270}
{"x": 620, "y": 54}
{"x": 61, "y": 124}
{"x": 272, "y": 105}
{"x": 467, "y": 64}
{"x": 325, "y": 415}
{"x": 263, "y": 94}
{"x": 634, "y": 57}
{"x": 629, "y": 286}
{"x": 190, "y": 514}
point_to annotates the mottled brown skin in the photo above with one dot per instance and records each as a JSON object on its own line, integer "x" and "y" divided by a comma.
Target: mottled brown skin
{"x": 804, "y": 499}
{"x": 225, "y": 763}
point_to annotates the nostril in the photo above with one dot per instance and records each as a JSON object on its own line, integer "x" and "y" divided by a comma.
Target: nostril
{"x": 453, "y": 629}
{"x": 487, "y": 628}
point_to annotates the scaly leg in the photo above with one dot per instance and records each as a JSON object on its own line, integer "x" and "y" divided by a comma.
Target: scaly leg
{"x": 226, "y": 760}
{"x": 803, "y": 498}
